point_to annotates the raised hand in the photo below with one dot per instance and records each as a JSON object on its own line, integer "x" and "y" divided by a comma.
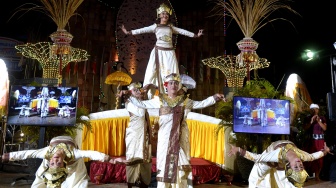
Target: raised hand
{"x": 233, "y": 150}
{"x": 124, "y": 29}
{"x": 200, "y": 33}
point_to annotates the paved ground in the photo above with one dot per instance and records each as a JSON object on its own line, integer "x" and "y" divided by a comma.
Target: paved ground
{"x": 7, "y": 178}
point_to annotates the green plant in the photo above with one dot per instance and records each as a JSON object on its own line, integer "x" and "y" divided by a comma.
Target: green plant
{"x": 260, "y": 88}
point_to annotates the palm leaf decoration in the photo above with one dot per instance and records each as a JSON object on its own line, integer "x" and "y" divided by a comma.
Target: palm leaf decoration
{"x": 251, "y": 15}
{"x": 60, "y": 11}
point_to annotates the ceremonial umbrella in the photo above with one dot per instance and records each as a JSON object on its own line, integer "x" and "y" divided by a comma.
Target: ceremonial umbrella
{"x": 187, "y": 81}
{"x": 120, "y": 79}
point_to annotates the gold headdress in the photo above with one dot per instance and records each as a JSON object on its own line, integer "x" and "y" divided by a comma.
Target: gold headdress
{"x": 134, "y": 85}
{"x": 173, "y": 77}
{"x": 68, "y": 151}
{"x": 296, "y": 177}
{"x": 163, "y": 8}
{"x": 54, "y": 177}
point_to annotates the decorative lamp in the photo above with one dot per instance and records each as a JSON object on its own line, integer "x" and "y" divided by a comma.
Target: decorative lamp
{"x": 250, "y": 16}
{"x": 120, "y": 79}
{"x": 53, "y": 57}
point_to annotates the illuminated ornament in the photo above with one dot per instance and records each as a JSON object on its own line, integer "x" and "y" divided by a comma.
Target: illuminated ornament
{"x": 118, "y": 78}
{"x": 236, "y": 68}
{"x": 250, "y": 16}
{"x": 53, "y": 57}
{"x": 51, "y": 60}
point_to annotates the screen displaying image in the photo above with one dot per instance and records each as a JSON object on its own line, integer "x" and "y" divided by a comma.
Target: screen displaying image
{"x": 43, "y": 106}
{"x": 259, "y": 115}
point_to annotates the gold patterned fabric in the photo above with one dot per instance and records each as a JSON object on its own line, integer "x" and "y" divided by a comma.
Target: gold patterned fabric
{"x": 175, "y": 101}
{"x": 54, "y": 177}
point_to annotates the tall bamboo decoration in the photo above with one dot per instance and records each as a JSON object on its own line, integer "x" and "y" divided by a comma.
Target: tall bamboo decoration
{"x": 250, "y": 15}
{"x": 54, "y": 57}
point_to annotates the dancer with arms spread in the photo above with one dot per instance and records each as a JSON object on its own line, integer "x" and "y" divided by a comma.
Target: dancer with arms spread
{"x": 280, "y": 165}
{"x": 62, "y": 165}
{"x": 173, "y": 147}
{"x": 162, "y": 60}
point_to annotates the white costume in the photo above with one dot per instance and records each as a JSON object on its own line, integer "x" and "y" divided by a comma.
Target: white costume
{"x": 263, "y": 113}
{"x": 77, "y": 173}
{"x": 137, "y": 140}
{"x": 173, "y": 147}
{"x": 164, "y": 50}
{"x": 265, "y": 176}
{"x": 24, "y": 111}
{"x": 65, "y": 111}
{"x": 44, "y": 106}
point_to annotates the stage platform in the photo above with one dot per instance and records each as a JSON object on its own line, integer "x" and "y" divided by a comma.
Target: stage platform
{"x": 203, "y": 171}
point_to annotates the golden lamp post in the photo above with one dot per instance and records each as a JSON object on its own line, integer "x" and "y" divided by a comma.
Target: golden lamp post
{"x": 250, "y": 15}
{"x": 53, "y": 57}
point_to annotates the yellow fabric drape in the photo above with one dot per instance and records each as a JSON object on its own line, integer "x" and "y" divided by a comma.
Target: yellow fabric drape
{"x": 108, "y": 136}
{"x": 204, "y": 142}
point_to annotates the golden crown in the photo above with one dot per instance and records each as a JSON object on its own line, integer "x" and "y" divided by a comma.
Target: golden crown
{"x": 163, "y": 8}
{"x": 296, "y": 177}
{"x": 173, "y": 77}
{"x": 134, "y": 85}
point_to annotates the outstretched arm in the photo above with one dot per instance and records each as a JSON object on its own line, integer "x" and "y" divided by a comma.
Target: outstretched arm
{"x": 93, "y": 155}
{"x": 24, "y": 154}
{"x": 206, "y": 102}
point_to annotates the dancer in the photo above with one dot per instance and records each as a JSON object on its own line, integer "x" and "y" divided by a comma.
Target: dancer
{"x": 173, "y": 147}
{"x": 162, "y": 60}
{"x": 280, "y": 165}
{"x": 62, "y": 165}
{"x": 138, "y": 149}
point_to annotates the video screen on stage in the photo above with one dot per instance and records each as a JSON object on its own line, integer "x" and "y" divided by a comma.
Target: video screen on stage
{"x": 261, "y": 115}
{"x": 42, "y": 106}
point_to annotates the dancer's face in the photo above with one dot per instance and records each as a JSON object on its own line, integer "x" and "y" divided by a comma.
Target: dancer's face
{"x": 173, "y": 87}
{"x": 136, "y": 92}
{"x": 296, "y": 165}
{"x": 164, "y": 17}
{"x": 57, "y": 159}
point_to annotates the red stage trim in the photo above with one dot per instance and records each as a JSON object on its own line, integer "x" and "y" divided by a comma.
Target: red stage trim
{"x": 203, "y": 171}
